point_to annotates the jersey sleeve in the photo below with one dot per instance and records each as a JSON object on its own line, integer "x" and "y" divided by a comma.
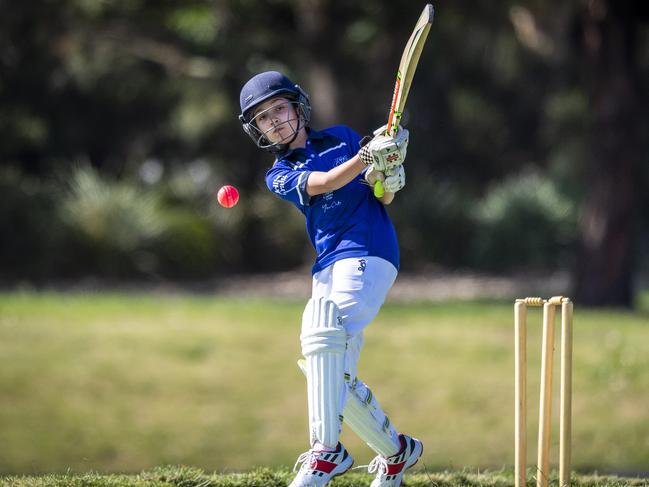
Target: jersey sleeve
{"x": 289, "y": 184}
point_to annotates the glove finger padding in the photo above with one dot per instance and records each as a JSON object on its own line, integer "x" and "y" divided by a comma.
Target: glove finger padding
{"x": 372, "y": 175}
{"x": 381, "y": 130}
{"x": 395, "y": 179}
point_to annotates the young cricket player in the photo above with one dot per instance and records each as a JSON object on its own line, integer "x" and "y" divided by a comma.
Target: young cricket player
{"x": 329, "y": 177}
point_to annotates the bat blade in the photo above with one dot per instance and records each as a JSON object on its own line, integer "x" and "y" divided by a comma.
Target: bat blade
{"x": 408, "y": 66}
{"x": 405, "y": 74}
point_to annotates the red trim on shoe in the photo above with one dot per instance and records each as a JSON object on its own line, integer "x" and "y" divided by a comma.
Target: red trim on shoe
{"x": 323, "y": 466}
{"x": 395, "y": 468}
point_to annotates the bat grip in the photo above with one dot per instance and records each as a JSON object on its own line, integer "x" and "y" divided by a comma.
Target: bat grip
{"x": 378, "y": 189}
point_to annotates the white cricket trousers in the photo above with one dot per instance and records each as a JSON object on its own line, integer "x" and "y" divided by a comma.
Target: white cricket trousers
{"x": 359, "y": 287}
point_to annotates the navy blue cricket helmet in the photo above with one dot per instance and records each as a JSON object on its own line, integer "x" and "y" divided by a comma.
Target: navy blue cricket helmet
{"x": 265, "y": 86}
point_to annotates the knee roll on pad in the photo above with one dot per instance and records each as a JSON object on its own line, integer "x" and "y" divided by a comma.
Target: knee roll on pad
{"x": 322, "y": 328}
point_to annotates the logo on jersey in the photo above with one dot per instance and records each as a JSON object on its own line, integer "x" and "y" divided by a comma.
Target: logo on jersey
{"x": 279, "y": 184}
{"x": 339, "y": 160}
{"x": 329, "y": 202}
{"x": 330, "y": 206}
{"x": 362, "y": 265}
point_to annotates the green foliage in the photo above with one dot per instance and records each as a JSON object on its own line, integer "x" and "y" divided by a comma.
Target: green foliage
{"x": 119, "y": 228}
{"x": 201, "y": 112}
{"x": 32, "y": 240}
{"x": 118, "y": 83}
{"x": 117, "y": 213}
{"x": 479, "y": 121}
{"x": 112, "y": 222}
{"x": 283, "y": 228}
{"x": 196, "y": 23}
{"x": 434, "y": 224}
{"x": 524, "y": 221}
{"x": 187, "y": 247}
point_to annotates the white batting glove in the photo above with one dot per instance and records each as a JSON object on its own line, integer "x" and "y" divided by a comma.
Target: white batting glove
{"x": 385, "y": 152}
{"x": 395, "y": 179}
{"x": 372, "y": 175}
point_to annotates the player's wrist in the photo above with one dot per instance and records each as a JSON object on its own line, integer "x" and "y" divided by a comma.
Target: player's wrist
{"x": 365, "y": 155}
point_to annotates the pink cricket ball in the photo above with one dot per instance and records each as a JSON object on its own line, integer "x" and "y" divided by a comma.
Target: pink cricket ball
{"x": 228, "y": 196}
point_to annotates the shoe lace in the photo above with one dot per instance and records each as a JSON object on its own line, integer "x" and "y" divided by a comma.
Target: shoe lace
{"x": 379, "y": 464}
{"x": 305, "y": 459}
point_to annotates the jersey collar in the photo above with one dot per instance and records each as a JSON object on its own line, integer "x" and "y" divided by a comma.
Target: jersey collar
{"x": 312, "y": 135}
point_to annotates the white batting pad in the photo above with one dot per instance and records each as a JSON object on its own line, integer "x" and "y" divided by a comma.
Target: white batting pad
{"x": 365, "y": 417}
{"x": 323, "y": 341}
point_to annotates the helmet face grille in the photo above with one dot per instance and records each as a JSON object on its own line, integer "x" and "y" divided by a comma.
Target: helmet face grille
{"x": 260, "y": 138}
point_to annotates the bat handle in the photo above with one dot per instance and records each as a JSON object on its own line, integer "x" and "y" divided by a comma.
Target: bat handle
{"x": 378, "y": 189}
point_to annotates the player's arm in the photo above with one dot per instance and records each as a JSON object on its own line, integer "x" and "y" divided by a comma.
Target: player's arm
{"x": 382, "y": 153}
{"x": 320, "y": 182}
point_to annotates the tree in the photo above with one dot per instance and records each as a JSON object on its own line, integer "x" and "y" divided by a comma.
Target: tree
{"x": 605, "y": 263}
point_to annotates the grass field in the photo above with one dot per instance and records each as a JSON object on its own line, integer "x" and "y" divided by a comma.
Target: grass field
{"x": 170, "y": 476}
{"x": 124, "y": 383}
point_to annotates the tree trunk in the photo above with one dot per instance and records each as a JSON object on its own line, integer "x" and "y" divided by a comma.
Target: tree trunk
{"x": 315, "y": 28}
{"x": 607, "y": 224}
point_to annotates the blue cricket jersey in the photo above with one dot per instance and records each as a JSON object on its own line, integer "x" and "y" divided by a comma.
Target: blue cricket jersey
{"x": 347, "y": 222}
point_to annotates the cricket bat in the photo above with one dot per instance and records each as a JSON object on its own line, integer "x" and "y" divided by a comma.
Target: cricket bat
{"x": 405, "y": 74}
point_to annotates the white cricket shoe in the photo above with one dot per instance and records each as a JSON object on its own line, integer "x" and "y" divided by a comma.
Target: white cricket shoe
{"x": 390, "y": 470}
{"x": 320, "y": 466}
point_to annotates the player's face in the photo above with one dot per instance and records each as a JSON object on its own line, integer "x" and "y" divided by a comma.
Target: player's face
{"x": 277, "y": 119}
